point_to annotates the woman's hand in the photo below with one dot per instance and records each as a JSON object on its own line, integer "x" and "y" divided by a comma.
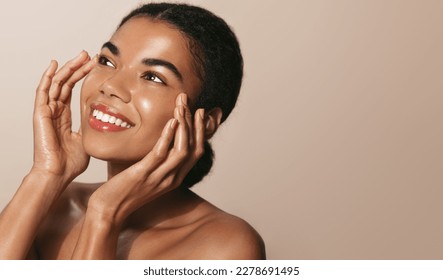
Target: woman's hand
{"x": 160, "y": 171}
{"x": 58, "y": 151}
{"x": 58, "y": 158}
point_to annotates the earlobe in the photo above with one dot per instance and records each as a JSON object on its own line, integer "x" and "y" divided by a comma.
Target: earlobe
{"x": 212, "y": 121}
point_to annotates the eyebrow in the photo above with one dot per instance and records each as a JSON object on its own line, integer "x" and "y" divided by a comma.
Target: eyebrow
{"x": 164, "y": 63}
{"x": 111, "y": 47}
{"x": 147, "y": 61}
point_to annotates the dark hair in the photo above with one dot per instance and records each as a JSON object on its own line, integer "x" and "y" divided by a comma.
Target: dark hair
{"x": 218, "y": 62}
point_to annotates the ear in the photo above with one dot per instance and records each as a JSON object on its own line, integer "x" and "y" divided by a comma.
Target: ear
{"x": 212, "y": 121}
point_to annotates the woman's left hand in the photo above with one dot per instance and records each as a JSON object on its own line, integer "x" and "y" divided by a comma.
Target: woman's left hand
{"x": 160, "y": 171}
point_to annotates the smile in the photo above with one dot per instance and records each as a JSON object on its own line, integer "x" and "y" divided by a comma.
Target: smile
{"x": 106, "y": 119}
{"x": 103, "y": 117}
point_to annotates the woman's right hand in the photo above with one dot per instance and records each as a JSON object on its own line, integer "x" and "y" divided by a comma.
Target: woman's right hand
{"x": 58, "y": 158}
{"x": 58, "y": 151}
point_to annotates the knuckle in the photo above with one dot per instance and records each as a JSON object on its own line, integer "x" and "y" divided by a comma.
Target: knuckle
{"x": 168, "y": 181}
{"x": 84, "y": 71}
{"x": 137, "y": 174}
{"x": 182, "y": 154}
{"x": 69, "y": 85}
{"x": 179, "y": 178}
{"x": 158, "y": 155}
{"x": 57, "y": 81}
{"x": 185, "y": 147}
{"x": 71, "y": 66}
{"x": 199, "y": 151}
{"x": 47, "y": 75}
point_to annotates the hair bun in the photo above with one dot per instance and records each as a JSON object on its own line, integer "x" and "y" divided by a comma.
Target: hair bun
{"x": 201, "y": 168}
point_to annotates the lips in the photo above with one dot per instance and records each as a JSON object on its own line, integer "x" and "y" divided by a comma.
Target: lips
{"x": 104, "y": 118}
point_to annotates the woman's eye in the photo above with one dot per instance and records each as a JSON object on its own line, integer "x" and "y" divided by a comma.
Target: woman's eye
{"x": 152, "y": 77}
{"x": 104, "y": 61}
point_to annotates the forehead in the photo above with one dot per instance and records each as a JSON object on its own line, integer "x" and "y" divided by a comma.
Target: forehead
{"x": 142, "y": 37}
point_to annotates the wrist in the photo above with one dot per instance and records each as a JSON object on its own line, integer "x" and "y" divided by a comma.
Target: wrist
{"x": 101, "y": 222}
{"x": 109, "y": 207}
{"x": 98, "y": 238}
{"x": 48, "y": 177}
{"x": 43, "y": 180}
{"x": 105, "y": 216}
{"x": 38, "y": 191}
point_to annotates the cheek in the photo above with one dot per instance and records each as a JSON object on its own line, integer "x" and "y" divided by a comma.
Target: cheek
{"x": 155, "y": 109}
{"x": 87, "y": 87}
{"x": 154, "y": 112}
{"x": 146, "y": 105}
{"x": 83, "y": 97}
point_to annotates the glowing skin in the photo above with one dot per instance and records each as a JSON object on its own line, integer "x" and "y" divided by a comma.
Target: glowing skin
{"x": 145, "y": 94}
{"x": 135, "y": 115}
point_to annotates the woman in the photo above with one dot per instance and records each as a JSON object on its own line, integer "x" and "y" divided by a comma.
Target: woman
{"x": 158, "y": 90}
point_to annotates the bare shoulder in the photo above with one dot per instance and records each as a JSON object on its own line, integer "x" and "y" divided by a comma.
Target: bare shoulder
{"x": 224, "y": 236}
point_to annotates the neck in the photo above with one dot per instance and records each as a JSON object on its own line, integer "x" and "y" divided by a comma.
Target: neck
{"x": 115, "y": 168}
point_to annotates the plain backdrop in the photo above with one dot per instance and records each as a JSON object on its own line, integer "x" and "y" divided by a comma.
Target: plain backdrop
{"x": 335, "y": 148}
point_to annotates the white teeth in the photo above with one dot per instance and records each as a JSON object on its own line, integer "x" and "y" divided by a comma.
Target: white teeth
{"x": 105, "y": 118}
{"x": 112, "y": 119}
{"x": 99, "y": 115}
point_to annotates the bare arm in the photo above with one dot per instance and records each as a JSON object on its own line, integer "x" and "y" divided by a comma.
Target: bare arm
{"x": 58, "y": 158}
{"x": 21, "y": 218}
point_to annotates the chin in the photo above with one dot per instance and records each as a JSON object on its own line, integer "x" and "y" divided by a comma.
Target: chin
{"x": 111, "y": 153}
{"x": 120, "y": 147}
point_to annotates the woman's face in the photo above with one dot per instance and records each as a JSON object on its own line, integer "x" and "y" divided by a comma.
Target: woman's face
{"x": 129, "y": 96}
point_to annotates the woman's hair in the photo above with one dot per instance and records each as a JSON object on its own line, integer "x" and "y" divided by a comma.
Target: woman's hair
{"x": 218, "y": 63}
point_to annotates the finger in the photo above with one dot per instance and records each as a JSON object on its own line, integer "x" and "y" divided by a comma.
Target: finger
{"x": 42, "y": 97}
{"x": 199, "y": 133}
{"x": 180, "y": 150}
{"x": 181, "y": 140}
{"x": 65, "y": 73}
{"x": 198, "y": 149}
{"x": 160, "y": 151}
{"x": 75, "y": 77}
{"x": 183, "y": 101}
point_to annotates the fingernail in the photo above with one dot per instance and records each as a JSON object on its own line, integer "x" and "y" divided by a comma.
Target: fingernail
{"x": 202, "y": 114}
{"x": 50, "y": 64}
{"x": 81, "y": 55}
{"x": 176, "y": 111}
{"x": 173, "y": 122}
{"x": 184, "y": 99}
{"x": 94, "y": 59}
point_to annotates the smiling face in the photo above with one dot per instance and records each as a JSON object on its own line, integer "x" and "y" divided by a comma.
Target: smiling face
{"x": 129, "y": 96}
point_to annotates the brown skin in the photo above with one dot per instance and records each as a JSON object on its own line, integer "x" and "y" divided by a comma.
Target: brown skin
{"x": 139, "y": 212}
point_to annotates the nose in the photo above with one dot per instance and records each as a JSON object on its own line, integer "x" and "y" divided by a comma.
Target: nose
{"x": 114, "y": 86}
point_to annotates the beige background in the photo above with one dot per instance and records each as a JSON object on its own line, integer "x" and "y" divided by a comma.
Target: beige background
{"x": 335, "y": 149}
